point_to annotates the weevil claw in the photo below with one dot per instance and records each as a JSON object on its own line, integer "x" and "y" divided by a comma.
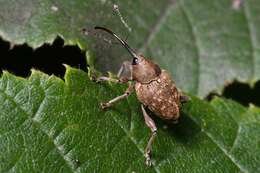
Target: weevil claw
{"x": 93, "y": 78}
{"x": 104, "y": 105}
{"x": 175, "y": 121}
{"x": 148, "y": 161}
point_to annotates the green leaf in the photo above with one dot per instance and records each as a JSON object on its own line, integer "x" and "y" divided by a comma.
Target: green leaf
{"x": 204, "y": 44}
{"x": 51, "y": 125}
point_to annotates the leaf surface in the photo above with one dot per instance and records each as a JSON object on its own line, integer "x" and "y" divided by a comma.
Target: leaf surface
{"x": 51, "y": 125}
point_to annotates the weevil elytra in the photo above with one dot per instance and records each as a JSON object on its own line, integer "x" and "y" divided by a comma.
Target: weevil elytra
{"x": 154, "y": 89}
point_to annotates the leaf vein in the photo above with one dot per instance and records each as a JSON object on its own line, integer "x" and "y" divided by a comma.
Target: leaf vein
{"x": 132, "y": 140}
{"x": 221, "y": 148}
{"x": 251, "y": 36}
{"x": 15, "y": 103}
{"x": 158, "y": 24}
{"x": 55, "y": 145}
{"x": 194, "y": 37}
{"x": 15, "y": 162}
{"x": 236, "y": 139}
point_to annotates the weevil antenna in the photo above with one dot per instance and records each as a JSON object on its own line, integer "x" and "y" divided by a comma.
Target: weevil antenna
{"x": 128, "y": 48}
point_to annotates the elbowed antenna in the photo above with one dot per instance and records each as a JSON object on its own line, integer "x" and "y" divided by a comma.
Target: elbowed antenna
{"x": 129, "y": 49}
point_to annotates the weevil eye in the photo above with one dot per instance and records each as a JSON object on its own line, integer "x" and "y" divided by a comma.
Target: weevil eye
{"x": 135, "y": 61}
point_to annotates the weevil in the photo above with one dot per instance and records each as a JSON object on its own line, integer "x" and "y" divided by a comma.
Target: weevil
{"x": 154, "y": 88}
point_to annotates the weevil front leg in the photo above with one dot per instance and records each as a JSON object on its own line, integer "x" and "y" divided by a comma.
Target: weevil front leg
{"x": 126, "y": 66}
{"x": 128, "y": 91}
{"x": 150, "y": 123}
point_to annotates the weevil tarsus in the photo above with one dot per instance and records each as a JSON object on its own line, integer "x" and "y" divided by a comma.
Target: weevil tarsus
{"x": 150, "y": 123}
{"x": 105, "y": 78}
{"x": 128, "y": 91}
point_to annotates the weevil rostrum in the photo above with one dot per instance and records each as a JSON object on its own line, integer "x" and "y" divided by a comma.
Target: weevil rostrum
{"x": 154, "y": 88}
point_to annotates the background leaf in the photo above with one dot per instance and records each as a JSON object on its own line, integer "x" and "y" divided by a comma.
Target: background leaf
{"x": 204, "y": 44}
{"x": 48, "y": 125}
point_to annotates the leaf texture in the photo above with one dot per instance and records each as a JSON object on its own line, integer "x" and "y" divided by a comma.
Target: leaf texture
{"x": 51, "y": 125}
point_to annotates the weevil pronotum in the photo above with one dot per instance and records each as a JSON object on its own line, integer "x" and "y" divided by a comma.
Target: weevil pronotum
{"x": 154, "y": 88}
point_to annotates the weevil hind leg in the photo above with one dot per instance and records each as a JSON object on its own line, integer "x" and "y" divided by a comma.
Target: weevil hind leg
{"x": 150, "y": 123}
{"x": 128, "y": 91}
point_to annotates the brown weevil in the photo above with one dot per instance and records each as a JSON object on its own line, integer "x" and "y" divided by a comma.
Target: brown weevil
{"x": 154, "y": 89}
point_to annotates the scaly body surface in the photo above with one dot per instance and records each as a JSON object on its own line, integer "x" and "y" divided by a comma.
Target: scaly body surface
{"x": 161, "y": 96}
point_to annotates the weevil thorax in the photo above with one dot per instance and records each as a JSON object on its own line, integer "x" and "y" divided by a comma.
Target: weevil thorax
{"x": 144, "y": 70}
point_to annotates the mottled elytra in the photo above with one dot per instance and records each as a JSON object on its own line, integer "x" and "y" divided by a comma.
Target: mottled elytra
{"x": 154, "y": 88}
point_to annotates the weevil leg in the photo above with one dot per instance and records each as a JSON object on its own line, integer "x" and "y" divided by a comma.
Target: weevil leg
{"x": 150, "y": 123}
{"x": 105, "y": 78}
{"x": 184, "y": 99}
{"x": 128, "y": 91}
{"x": 125, "y": 67}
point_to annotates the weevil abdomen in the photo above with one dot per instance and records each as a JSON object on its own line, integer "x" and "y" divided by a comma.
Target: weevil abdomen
{"x": 161, "y": 96}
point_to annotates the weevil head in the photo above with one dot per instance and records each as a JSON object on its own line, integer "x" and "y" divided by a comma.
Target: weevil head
{"x": 144, "y": 70}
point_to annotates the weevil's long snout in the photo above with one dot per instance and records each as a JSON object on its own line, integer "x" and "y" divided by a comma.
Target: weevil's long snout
{"x": 128, "y": 48}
